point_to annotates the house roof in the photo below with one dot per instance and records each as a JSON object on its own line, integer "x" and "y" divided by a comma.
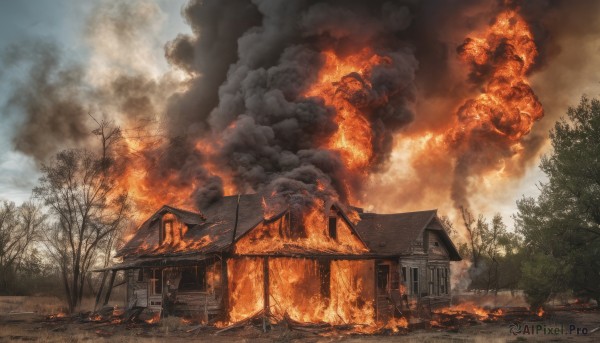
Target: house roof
{"x": 209, "y": 231}
{"x": 146, "y": 235}
{"x": 212, "y": 230}
{"x": 394, "y": 234}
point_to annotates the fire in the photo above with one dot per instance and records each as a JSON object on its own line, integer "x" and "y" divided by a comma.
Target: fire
{"x": 57, "y": 315}
{"x": 155, "y": 318}
{"x": 395, "y": 323}
{"x": 245, "y": 277}
{"x": 540, "y": 312}
{"x": 342, "y": 84}
{"x": 96, "y": 317}
{"x": 467, "y": 307}
{"x": 304, "y": 290}
{"x": 312, "y": 291}
{"x": 282, "y": 235}
{"x": 507, "y": 105}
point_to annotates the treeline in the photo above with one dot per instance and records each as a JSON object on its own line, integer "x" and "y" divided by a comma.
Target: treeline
{"x": 555, "y": 247}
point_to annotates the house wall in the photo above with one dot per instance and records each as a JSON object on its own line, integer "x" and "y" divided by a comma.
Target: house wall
{"x": 430, "y": 256}
{"x": 169, "y": 297}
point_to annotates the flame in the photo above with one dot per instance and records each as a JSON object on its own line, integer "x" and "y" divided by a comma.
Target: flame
{"x": 155, "y": 318}
{"x": 281, "y": 236}
{"x": 341, "y": 84}
{"x": 57, "y": 315}
{"x": 295, "y": 290}
{"x": 540, "y": 312}
{"x": 507, "y": 105}
{"x": 396, "y": 323}
{"x": 245, "y": 278}
{"x": 96, "y": 317}
{"x": 467, "y": 307}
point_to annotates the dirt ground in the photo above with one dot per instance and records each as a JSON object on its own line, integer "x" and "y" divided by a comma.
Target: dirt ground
{"x": 36, "y": 327}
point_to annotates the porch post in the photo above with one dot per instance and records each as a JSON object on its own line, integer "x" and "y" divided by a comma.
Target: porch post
{"x": 110, "y": 286}
{"x": 224, "y": 286}
{"x": 376, "y": 291}
{"x": 104, "y": 274}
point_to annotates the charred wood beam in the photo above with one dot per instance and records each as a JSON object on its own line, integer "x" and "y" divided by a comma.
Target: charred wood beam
{"x": 120, "y": 284}
{"x": 100, "y": 290}
{"x": 235, "y": 225}
{"x": 224, "y": 287}
{"x": 376, "y": 291}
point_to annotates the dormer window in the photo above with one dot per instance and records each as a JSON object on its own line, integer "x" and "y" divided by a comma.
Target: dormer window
{"x": 166, "y": 232}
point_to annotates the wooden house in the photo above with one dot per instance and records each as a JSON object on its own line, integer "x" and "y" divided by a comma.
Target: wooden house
{"x": 247, "y": 254}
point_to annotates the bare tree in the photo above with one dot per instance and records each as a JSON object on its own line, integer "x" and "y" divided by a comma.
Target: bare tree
{"x": 475, "y": 230}
{"x": 88, "y": 210}
{"x": 19, "y": 227}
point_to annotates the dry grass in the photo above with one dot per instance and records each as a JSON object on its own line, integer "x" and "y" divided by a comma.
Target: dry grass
{"x": 40, "y": 305}
{"x": 44, "y": 305}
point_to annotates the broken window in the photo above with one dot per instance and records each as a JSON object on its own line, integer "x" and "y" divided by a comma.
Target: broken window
{"x": 193, "y": 279}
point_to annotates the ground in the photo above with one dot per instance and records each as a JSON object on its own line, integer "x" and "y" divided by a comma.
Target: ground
{"x": 25, "y": 319}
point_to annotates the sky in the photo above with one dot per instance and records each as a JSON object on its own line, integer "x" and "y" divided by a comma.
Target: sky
{"x": 64, "y": 22}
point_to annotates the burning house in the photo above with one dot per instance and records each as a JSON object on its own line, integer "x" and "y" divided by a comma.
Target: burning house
{"x": 247, "y": 255}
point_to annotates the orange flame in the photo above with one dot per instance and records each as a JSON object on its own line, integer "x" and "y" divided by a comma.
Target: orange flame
{"x": 507, "y": 106}
{"x": 467, "y": 307}
{"x": 155, "y": 318}
{"x": 340, "y": 83}
{"x": 281, "y": 236}
{"x": 540, "y": 312}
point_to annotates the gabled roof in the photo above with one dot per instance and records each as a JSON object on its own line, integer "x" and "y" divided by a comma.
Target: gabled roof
{"x": 394, "y": 234}
{"x": 147, "y": 234}
{"x": 212, "y": 230}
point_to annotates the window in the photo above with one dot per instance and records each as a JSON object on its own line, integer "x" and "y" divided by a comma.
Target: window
{"x": 445, "y": 281}
{"x": 440, "y": 286}
{"x": 193, "y": 279}
{"x": 436, "y": 244}
{"x": 325, "y": 278}
{"x": 431, "y": 281}
{"x": 415, "y": 280}
{"x": 140, "y": 275}
{"x": 156, "y": 281}
{"x": 404, "y": 274}
{"x": 383, "y": 272}
{"x": 166, "y": 232}
{"x": 333, "y": 227}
